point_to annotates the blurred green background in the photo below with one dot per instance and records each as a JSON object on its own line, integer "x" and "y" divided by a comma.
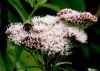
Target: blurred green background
{"x": 13, "y": 58}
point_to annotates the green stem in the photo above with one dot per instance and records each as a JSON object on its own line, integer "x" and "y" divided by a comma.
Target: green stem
{"x": 35, "y": 8}
{"x": 56, "y": 60}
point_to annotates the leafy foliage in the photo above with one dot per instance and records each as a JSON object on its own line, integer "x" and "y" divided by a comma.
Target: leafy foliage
{"x": 19, "y": 8}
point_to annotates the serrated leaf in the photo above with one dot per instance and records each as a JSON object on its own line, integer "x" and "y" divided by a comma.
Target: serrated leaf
{"x": 19, "y": 8}
{"x": 62, "y": 63}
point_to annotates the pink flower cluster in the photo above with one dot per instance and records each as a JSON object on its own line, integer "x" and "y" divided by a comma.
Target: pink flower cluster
{"x": 76, "y": 17}
{"x": 50, "y": 33}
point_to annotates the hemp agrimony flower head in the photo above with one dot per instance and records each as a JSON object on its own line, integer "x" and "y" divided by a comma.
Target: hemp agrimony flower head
{"x": 80, "y": 19}
{"x": 47, "y": 34}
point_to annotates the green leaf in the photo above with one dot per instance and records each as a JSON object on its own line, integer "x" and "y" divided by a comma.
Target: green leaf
{"x": 61, "y": 3}
{"x": 35, "y": 3}
{"x": 18, "y": 52}
{"x": 41, "y": 1}
{"x": 31, "y": 2}
{"x": 2, "y": 64}
{"x": 13, "y": 55}
{"x": 77, "y": 5}
{"x": 92, "y": 69}
{"x": 62, "y": 63}
{"x": 11, "y": 18}
{"x": 10, "y": 60}
{"x": 86, "y": 51}
{"x": 95, "y": 47}
{"x": 13, "y": 50}
{"x": 19, "y": 8}
{"x": 74, "y": 4}
{"x": 51, "y": 6}
{"x": 27, "y": 62}
{"x": 66, "y": 69}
